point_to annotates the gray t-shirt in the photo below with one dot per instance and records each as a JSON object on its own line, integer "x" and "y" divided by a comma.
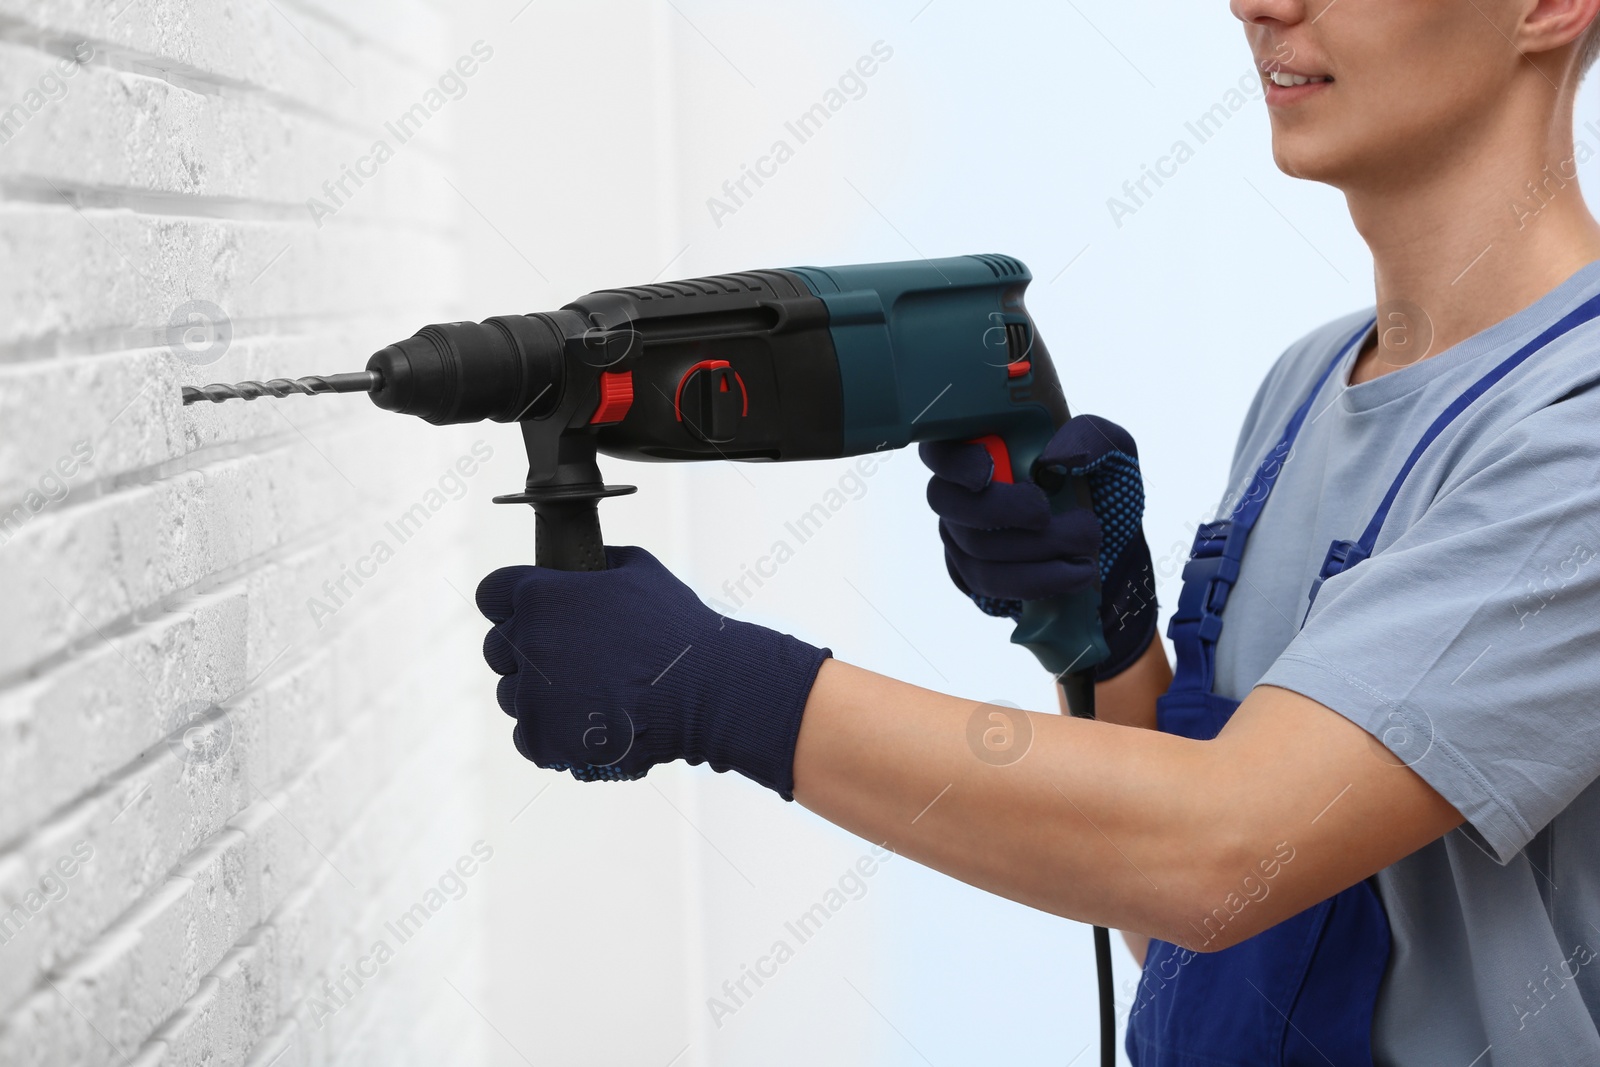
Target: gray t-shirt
{"x": 1469, "y": 644}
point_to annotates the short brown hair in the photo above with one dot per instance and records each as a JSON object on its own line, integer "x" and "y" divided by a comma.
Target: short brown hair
{"x": 1589, "y": 47}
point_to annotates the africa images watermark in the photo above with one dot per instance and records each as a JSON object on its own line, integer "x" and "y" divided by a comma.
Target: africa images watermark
{"x": 1536, "y": 195}
{"x": 51, "y": 889}
{"x": 452, "y": 485}
{"x": 339, "y": 990}
{"x": 1542, "y": 991}
{"x": 199, "y": 332}
{"x": 850, "y": 486}
{"x": 1254, "y": 887}
{"x": 1542, "y": 591}
{"x": 452, "y": 85}
{"x": 852, "y": 85}
{"x": 1138, "y": 192}
{"x": 851, "y": 885}
{"x": 51, "y": 487}
{"x": 49, "y": 89}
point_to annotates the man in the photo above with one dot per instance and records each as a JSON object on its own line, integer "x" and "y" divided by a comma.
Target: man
{"x": 1361, "y": 825}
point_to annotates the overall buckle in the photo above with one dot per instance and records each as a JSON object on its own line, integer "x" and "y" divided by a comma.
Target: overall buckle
{"x": 1342, "y": 555}
{"x": 1208, "y": 578}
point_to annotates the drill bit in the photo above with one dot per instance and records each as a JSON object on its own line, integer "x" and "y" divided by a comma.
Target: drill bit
{"x": 357, "y": 382}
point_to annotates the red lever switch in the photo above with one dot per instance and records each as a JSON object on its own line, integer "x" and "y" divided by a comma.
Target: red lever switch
{"x": 616, "y": 396}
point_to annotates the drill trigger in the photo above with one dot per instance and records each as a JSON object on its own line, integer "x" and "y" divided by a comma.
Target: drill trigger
{"x": 999, "y": 455}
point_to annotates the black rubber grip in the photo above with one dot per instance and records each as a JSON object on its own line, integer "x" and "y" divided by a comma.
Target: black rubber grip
{"x": 567, "y": 535}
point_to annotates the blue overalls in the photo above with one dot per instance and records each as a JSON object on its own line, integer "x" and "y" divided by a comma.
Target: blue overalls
{"x": 1302, "y": 993}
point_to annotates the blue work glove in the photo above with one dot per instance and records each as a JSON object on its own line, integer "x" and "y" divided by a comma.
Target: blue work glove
{"x": 1003, "y": 545}
{"x": 609, "y": 673}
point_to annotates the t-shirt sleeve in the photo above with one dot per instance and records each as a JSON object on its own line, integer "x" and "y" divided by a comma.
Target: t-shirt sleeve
{"x": 1470, "y": 645}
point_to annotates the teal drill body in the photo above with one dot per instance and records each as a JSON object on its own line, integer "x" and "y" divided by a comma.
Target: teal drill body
{"x": 946, "y": 350}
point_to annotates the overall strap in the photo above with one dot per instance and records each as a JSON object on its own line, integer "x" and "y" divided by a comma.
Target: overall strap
{"x": 1242, "y": 519}
{"x": 1213, "y": 565}
{"x": 1342, "y": 555}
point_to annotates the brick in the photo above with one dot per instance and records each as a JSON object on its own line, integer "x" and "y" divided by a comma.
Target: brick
{"x": 295, "y": 57}
{"x": 66, "y": 732}
{"x": 230, "y": 1014}
{"x": 284, "y": 1047}
{"x": 110, "y": 279}
{"x": 120, "y": 139}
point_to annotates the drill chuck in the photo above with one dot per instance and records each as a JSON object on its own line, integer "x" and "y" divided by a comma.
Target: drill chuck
{"x": 505, "y": 369}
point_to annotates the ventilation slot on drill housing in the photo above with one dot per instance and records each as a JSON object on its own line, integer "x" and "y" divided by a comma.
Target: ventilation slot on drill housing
{"x": 1002, "y": 266}
{"x": 1018, "y": 343}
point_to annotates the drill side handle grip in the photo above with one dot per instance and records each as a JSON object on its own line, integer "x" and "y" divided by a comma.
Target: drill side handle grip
{"x": 564, "y": 487}
{"x": 566, "y": 535}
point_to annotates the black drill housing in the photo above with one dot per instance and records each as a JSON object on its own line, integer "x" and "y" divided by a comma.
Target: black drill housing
{"x": 738, "y": 366}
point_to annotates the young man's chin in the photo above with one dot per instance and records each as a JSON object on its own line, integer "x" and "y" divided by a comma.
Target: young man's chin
{"x": 1322, "y": 156}
{"x": 1298, "y": 159}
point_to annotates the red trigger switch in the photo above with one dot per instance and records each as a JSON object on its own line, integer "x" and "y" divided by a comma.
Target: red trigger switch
{"x": 999, "y": 455}
{"x": 710, "y": 401}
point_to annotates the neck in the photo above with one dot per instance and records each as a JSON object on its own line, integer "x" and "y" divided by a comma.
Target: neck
{"x": 1474, "y": 237}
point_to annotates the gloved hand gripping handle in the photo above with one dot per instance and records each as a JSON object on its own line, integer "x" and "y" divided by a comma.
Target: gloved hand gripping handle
{"x": 945, "y": 350}
{"x": 1064, "y": 632}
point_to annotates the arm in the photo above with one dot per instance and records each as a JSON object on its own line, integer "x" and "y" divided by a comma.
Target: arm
{"x": 1129, "y": 699}
{"x": 1121, "y": 827}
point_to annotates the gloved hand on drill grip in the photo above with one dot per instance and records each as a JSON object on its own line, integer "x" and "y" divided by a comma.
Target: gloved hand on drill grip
{"x": 1003, "y": 545}
{"x": 609, "y": 673}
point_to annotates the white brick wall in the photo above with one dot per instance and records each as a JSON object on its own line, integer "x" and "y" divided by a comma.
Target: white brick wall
{"x": 167, "y": 896}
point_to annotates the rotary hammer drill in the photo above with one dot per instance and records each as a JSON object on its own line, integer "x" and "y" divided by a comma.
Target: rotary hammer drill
{"x": 805, "y": 363}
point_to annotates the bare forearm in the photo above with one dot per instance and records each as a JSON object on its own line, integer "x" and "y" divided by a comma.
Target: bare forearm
{"x": 1094, "y": 821}
{"x": 1195, "y": 842}
{"x": 1129, "y": 699}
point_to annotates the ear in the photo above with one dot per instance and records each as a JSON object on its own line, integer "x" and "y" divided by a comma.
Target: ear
{"x": 1548, "y": 25}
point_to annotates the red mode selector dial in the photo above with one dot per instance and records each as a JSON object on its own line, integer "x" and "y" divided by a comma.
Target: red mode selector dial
{"x": 710, "y": 401}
